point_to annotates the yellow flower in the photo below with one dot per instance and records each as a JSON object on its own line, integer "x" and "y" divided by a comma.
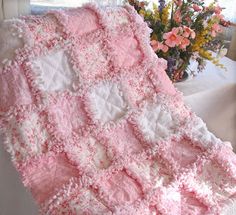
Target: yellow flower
{"x": 142, "y": 12}
{"x": 201, "y": 39}
{"x": 215, "y": 61}
{"x": 156, "y": 14}
{"x": 155, "y": 7}
{"x": 165, "y": 14}
{"x": 148, "y": 13}
{"x": 205, "y": 54}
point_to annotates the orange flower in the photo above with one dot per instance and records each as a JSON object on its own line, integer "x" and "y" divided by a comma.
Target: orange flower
{"x": 172, "y": 38}
{"x": 184, "y": 43}
{"x": 188, "y": 32}
{"x": 177, "y": 16}
{"x": 158, "y": 46}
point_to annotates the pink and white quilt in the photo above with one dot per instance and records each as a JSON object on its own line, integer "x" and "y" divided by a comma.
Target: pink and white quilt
{"x": 94, "y": 125}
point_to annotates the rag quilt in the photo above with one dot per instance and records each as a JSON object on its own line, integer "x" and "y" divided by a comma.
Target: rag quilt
{"x": 94, "y": 126}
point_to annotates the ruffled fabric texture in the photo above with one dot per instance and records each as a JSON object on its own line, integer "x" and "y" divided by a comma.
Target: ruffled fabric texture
{"x": 94, "y": 126}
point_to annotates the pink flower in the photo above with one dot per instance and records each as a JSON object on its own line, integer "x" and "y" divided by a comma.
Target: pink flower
{"x": 188, "y": 19}
{"x": 184, "y": 43}
{"x": 178, "y": 2}
{"x": 158, "y": 46}
{"x": 218, "y": 16}
{"x": 164, "y": 48}
{"x": 196, "y": 8}
{"x": 193, "y": 34}
{"x": 188, "y": 32}
{"x": 217, "y": 10}
{"x": 215, "y": 29}
{"x": 177, "y": 16}
{"x": 155, "y": 45}
{"x": 172, "y": 38}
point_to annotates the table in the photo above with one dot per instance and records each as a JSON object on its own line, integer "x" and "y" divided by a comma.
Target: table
{"x": 212, "y": 95}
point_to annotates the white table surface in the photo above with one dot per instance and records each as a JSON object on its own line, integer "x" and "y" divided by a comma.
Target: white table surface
{"x": 212, "y": 95}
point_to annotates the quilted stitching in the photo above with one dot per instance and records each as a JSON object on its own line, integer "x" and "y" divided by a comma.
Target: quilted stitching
{"x": 55, "y": 72}
{"x": 94, "y": 126}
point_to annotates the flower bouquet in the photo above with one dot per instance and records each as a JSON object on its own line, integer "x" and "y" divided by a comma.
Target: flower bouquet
{"x": 184, "y": 30}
